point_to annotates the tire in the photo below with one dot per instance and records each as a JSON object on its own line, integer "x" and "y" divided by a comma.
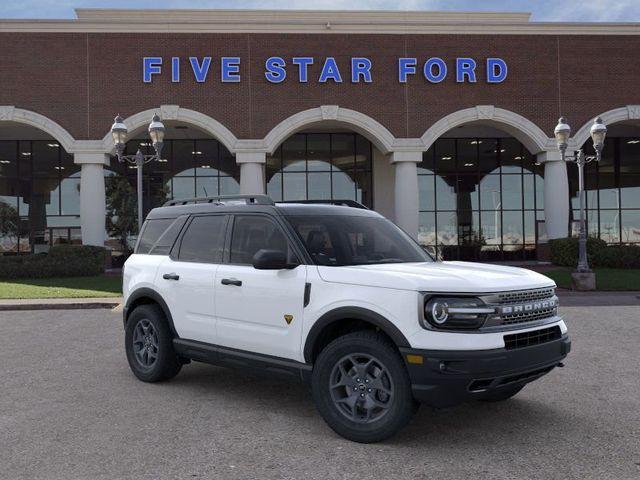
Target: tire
{"x": 147, "y": 331}
{"x": 501, "y": 395}
{"x": 368, "y": 402}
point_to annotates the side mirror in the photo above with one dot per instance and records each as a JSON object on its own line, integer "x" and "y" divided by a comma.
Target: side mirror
{"x": 271, "y": 260}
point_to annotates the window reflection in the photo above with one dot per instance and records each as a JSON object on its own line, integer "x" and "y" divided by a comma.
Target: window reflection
{"x": 480, "y": 198}
{"x": 321, "y": 166}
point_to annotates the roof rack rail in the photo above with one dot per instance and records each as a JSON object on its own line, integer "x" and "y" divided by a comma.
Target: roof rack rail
{"x": 343, "y": 203}
{"x": 222, "y": 199}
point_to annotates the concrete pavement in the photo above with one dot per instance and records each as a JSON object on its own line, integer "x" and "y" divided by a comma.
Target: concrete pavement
{"x": 70, "y": 409}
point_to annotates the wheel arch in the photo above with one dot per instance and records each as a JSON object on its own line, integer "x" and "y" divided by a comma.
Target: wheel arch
{"x": 332, "y": 320}
{"x": 146, "y": 296}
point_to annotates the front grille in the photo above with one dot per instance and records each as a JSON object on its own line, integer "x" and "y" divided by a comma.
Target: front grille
{"x": 528, "y": 317}
{"x": 507, "y": 298}
{"x": 534, "y": 337}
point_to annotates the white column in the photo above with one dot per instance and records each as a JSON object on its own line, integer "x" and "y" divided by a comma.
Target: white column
{"x": 556, "y": 194}
{"x": 406, "y": 190}
{"x": 93, "y": 209}
{"x": 251, "y": 172}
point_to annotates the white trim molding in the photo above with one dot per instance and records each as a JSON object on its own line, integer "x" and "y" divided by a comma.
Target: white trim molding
{"x": 629, "y": 112}
{"x": 9, "y": 113}
{"x": 373, "y": 130}
{"x": 179, "y": 114}
{"x": 527, "y": 132}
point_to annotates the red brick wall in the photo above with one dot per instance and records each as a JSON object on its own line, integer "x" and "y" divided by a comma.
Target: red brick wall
{"x": 82, "y": 80}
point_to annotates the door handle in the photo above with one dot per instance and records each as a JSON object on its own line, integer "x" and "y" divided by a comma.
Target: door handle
{"x": 231, "y": 281}
{"x": 171, "y": 276}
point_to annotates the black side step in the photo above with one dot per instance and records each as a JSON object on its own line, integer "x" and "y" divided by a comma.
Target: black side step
{"x": 234, "y": 358}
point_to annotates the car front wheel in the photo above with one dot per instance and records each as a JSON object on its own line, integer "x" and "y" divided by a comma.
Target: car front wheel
{"x": 361, "y": 387}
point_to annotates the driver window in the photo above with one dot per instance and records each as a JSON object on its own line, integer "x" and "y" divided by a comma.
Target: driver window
{"x": 252, "y": 233}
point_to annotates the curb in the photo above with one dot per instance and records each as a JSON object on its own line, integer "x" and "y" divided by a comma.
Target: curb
{"x": 8, "y": 307}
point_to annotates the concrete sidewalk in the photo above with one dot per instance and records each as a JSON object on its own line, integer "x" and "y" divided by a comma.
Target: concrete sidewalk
{"x": 59, "y": 303}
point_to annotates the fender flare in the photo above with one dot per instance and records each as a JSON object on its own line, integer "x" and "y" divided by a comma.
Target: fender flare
{"x": 145, "y": 292}
{"x": 352, "y": 313}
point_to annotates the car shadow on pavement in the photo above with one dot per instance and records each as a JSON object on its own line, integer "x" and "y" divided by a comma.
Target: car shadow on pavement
{"x": 514, "y": 420}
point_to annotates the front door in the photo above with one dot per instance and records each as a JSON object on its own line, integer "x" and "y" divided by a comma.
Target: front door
{"x": 187, "y": 280}
{"x": 259, "y": 310}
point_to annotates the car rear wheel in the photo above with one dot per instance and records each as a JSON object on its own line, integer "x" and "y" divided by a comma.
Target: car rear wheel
{"x": 149, "y": 345}
{"x": 361, "y": 387}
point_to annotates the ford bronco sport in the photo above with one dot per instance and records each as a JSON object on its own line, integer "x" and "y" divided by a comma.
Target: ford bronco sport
{"x": 337, "y": 296}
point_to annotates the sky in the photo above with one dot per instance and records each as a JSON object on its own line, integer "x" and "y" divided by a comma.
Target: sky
{"x": 542, "y": 10}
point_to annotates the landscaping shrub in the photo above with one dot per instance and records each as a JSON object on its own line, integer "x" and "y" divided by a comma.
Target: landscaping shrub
{"x": 564, "y": 252}
{"x": 61, "y": 261}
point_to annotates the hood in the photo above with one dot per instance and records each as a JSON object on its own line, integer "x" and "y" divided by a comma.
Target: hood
{"x": 453, "y": 277}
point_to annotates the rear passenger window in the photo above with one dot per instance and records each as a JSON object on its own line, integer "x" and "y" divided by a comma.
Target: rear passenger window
{"x": 204, "y": 240}
{"x": 153, "y": 229}
{"x": 167, "y": 239}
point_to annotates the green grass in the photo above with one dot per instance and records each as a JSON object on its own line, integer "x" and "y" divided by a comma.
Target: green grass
{"x": 72, "y": 287}
{"x": 606, "y": 278}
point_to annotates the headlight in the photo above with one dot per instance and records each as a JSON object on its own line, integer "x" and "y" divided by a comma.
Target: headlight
{"x": 456, "y": 313}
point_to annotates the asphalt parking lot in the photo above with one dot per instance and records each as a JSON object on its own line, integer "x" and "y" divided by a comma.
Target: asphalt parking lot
{"x": 70, "y": 409}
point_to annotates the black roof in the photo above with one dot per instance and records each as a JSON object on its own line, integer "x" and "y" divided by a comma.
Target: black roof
{"x": 255, "y": 204}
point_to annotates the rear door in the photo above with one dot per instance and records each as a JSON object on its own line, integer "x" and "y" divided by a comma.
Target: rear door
{"x": 259, "y": 310}
{"x": 187, "y": 277}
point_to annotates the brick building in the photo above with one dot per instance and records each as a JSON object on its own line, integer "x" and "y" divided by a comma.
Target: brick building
{"x": 441, "y": 121}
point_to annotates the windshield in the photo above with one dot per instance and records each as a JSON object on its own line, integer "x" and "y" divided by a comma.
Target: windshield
{"x": 342, "y": 240}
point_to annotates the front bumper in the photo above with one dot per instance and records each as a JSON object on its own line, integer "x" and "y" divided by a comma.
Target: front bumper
{"x": 447, "y": 377}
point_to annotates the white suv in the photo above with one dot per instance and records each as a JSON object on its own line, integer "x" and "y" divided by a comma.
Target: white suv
{"x": 337, "y": 296}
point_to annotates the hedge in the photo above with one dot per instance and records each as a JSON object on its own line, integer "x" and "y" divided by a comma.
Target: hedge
{"x": 61, "y": 261}
{"x": 564, "y": 252}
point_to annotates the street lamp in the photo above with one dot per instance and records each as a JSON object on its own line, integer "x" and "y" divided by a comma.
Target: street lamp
{"x": 562, "y": 133}
{"x": 119, "y": 133}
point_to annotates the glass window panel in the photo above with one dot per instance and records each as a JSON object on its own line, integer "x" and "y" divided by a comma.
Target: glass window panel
{"x": 274, "y": 187}
{"x": 343, "y": 186}
{"x": 45, "y": 193}
{"x": 629, "y": 156}
{"x": 490, "y": 192}
{"x": 183, "y": 187}
{"x": 529, "y": 163}
{"x": 8, "y": 159}
{"x": 610, "y": 226}
{"x": 529, "y": 227}
{"x": 426, "y": 189}
{"x": 229, "y": 186}
{"x": 363, "y": 187}
{"x": 253, "y": 233}
{"x": 70, "y": 196}
{"x": 183, "y": 158}
{"x": 293, "y": 153}
{"x": 274, "y": 163}
{"x": 24, "y": 160}
{"x": 447, "y": 228}
{"x": 468, "y": 227}
{"x": 592, "y": 222}
{"x": 207, "y": 187}
{"x": 320, "y": 186}
{"x": 63, "y": 221}
{"x": 445, "y": 194}
{"x": 539, "y": 192}
{"x": 343, "y": 151}
{"x": 228, "y": 165}
{"x": 426, "y": 166}
{"x": 46, "y": 162}
{"x": 630, "y": 195}
{"x": 528, "y": 191}
{"x": 67, "y": 167}
{"x": 488, "y": 155}
{"x": 467, "y": 154}
{"x": 445, "y": 156}
{"x": 294, "y": 186}
{"x": 491, "y": 224}
{"x": 467, "y": 192}
{"x": 511, "y": 155}
{"x": 204, "y": 239}
{"x": 512, "y": 228}
{"x": 9, "y": 191}
{"x": 318, "y": 152}
{"x": 363, "y": 153}
{"x": 427, "y": 228}
{"x": 206, "y": 157}
{"x": 630, "y": 226}
{"x": 512, "y": 192}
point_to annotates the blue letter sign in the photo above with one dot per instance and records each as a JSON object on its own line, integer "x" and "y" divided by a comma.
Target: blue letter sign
{"x": 151, "y": 66}
{"x": 496, "y": 70}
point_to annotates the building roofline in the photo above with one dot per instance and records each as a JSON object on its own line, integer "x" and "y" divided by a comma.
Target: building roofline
{"x": 311, "y": 21}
